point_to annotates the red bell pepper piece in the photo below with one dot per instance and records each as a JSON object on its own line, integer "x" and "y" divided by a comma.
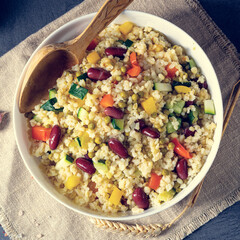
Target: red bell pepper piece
{"x": 171, "y": 71}
{"x": 107, "y": 101}
{"x": 41, "y": 133}
{"x": 180, "y": 150}
{"x": 154, "y": 181}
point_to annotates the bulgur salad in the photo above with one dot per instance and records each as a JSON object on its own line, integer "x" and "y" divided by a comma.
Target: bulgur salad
{"x": 129, "y": 127}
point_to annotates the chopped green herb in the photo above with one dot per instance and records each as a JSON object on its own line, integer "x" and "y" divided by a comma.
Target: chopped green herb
{"x": 79, "y": 141}
{"x": 83, "y": 76}
{"x": 48, "y": 106}
{"x": 79, "y": 92}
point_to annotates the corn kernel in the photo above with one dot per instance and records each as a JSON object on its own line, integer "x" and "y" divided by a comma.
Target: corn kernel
{"x": 123, "y": 69}
{"x": 93, "y": 57}
{"x": 171, "y": 146}
{"x": 126, "y": 28}
{"x": 98, "y": 140}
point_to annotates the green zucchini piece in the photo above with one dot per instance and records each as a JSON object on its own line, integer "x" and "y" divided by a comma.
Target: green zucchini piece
{"x": 82, "y": 114}
{"x": 186, "y": 84}
{"x": 78, "y": 141}
{"x": 68, "y": 159}
{"x": 48, "y": 106}
{"x": 128, "y": 43}
{"x": 163, "y": 87}
{"x": 192, "y": 63}
{"x": 76, "y": 91}
{"x": 118, "y": 124}
{"x": 178, "y": 106}
{"x": 166, "y": 195}
{"x": 52, "y": 93}
{"x": 83, "y": 76}
{"x": 209, "y": 107}
{"x": 168, "y": 105}
{"x": 193, "y": 116}
{"x": 170, "y": 128}
{"x": 101, "y": 166}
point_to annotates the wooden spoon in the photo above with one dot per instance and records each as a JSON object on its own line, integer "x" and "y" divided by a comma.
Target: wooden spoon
{"x": 50, "y": 61}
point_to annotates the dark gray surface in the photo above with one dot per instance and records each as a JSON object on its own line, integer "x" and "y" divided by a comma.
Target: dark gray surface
{"x": 21, "y": 18}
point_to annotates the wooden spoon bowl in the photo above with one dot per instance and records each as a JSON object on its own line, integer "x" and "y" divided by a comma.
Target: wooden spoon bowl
{"x": 50, "y": 61}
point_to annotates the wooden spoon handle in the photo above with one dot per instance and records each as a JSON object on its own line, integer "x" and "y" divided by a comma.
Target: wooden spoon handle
{"x": 107, "y": 13}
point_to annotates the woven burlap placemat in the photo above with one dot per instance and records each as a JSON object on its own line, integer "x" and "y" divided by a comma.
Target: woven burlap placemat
{"x": 27, "y": 212}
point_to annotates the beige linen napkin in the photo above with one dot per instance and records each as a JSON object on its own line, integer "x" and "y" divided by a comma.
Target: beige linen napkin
{"x": 27, "y": 212}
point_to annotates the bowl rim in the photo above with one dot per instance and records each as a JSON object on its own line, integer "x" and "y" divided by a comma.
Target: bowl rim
{"x": 153, "y": 210}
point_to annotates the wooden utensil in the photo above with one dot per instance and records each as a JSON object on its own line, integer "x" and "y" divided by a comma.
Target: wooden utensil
{"x": 50, "y": 61}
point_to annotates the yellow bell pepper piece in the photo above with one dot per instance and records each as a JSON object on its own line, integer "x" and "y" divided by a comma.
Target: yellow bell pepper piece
{"x": 115, "y": 196}
{"x": 126, "y": 28}
{"x": 72, "y": 182}
{"x": 166, "y": 195}
{"x": 149, "y": 106}
{"x": 85, "y": 139}
{"x": 182, "y": 89}
{"x": 93, "y": 57}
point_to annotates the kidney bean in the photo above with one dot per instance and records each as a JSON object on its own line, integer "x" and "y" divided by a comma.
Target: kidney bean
{"x": 203, "y": 85}
{"x": 150, "y": 132}
{"x": 54, "y": 137}
{"x": 98, "y": 74}
{"x": 117, "y": 147}
{"x": 141, "y": 124}
{"x": 85, "y": 165}
{"x": 114, "y": 112}
{"x": 188, "y": 103}
{"x": 140, "y": 198}
{"x": 188, "y": 132}
{"x": 182, "y": 169}
{"x": 115, "y": 51}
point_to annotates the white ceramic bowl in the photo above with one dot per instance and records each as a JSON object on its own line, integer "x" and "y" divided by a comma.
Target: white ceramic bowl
{"x": 176, "y": 36}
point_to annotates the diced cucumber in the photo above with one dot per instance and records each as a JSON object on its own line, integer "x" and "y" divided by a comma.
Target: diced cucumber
{"x": 209, "y": 107}
{"x": 101, "y": 166}
{"x": 83, "y": 76}
{"x": 65, "y": 162}
{"x": 163, "y": 87}
{"x": 118, "y": 124}
{"x": 68, "y": 159}
{"x": 48, "y": 106}
{"x": 128, "y": 43}
{"x": 36, "y": 118}
{"x": 82, "y": 114}
{"x": 168, "y": 105}
{"x": 78, "y": 141}
{"x": 77, "y": 91}
{"x": 193, "y": 116}
{"x": 52, "y": 93}
{"x": 192, "y": 63}
{"x": 166, "y": 195}
{"x": 170, "y": 128}
{"x": 178, "y": 106}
